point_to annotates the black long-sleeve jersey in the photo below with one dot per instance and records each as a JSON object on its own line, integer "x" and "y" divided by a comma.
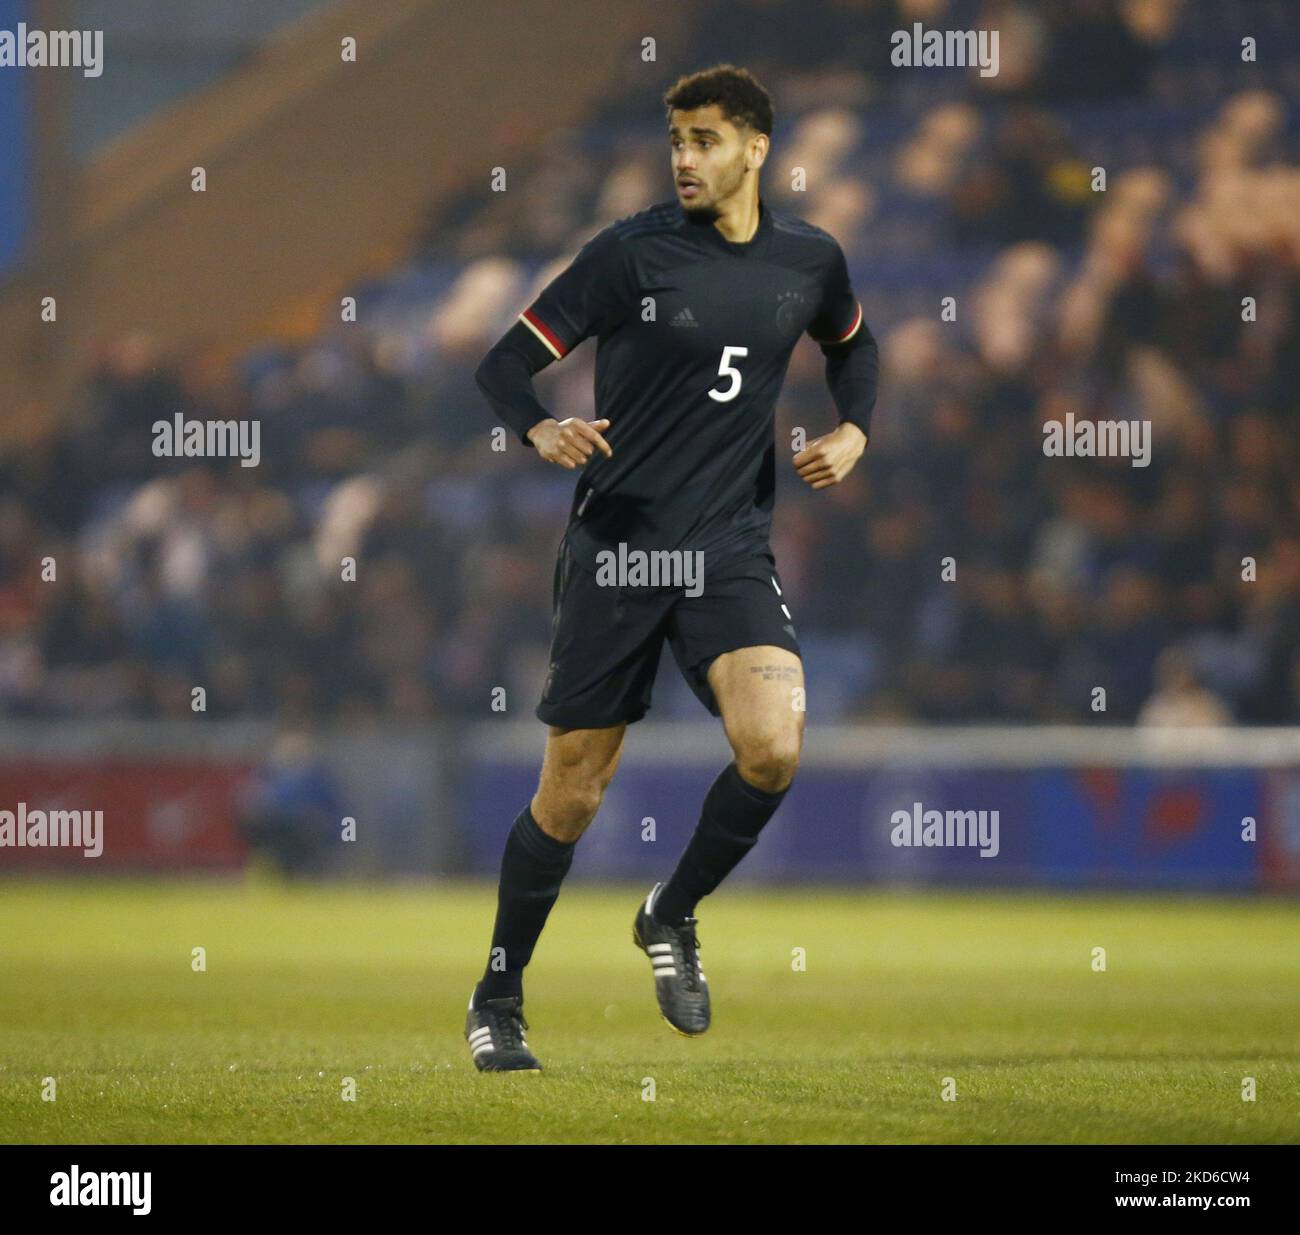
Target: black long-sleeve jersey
{"x": 694, "y": 338}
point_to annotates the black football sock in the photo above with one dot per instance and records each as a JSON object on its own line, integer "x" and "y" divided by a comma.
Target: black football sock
{"x": 532, "y": 869}
{"x": 734, "y": 813}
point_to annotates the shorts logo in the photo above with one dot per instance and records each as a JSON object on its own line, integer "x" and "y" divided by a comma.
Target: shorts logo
{"x": 783, "y": 608}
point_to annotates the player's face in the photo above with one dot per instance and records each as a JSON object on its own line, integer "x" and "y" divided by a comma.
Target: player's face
{"x": 709, "y": 162}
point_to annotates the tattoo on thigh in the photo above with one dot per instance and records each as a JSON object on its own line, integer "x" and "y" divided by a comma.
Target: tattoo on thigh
{"x": 776, "y": 673}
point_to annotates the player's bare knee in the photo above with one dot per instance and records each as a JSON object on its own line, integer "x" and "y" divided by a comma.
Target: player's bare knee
{"x": 576, "y": 771}
{"x": 564, "y": 813}
{"x": 768, "y": 761}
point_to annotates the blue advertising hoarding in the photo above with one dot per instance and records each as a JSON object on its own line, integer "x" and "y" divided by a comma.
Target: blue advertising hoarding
{"x": 1060, "y": 827}
{"x": 14, "y": 146}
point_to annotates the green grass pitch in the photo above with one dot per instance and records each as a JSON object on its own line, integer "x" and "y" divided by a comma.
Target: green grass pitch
{"x": 306, "y": 986}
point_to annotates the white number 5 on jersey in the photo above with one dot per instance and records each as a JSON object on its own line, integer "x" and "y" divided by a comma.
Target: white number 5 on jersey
{"x": 726, "y": 370}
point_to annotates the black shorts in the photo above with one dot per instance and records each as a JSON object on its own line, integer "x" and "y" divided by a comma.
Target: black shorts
{"x": 606, "y": 640}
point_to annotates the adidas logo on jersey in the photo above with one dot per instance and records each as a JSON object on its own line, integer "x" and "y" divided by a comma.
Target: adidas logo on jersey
{"x": 684, "y": 318}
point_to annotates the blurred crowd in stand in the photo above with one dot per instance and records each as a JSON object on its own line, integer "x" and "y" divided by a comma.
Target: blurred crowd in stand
{"x": 960, "y": 574}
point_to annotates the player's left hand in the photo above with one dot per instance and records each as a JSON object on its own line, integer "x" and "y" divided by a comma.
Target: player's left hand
{"x": 826, "y": 460}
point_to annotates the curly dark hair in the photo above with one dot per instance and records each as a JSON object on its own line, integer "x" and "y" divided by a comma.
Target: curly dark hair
{"x": 737, "y": 91}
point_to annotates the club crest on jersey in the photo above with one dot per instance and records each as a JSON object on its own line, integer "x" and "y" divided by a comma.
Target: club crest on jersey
{"x": 788, "y": 311}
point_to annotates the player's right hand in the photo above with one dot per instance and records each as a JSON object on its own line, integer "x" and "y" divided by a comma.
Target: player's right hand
{"x": 570, "y": 443}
